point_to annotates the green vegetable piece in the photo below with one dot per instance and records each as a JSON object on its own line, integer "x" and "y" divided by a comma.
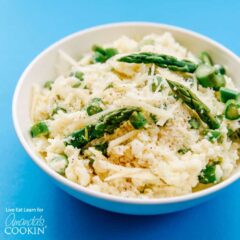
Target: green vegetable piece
{"x": 160, "y": 60}
{"x": 213, "y": 135}
{"x": 217, "y": 95}
{"x": 138, "y": 120}
{"x": 206, "y": 59}
{"x": 55, "y": 110}
{"x": 80, "y": 138}
{"x": 79, "y": 75}
{"x": 207, "y": 77}
{"x": 59, "y": 163}
{"x": 194, "y": 123}
{"x": 110, "y": 85}
{"x": 156, "y": 84}
{"x": 183, "y": 150}
{"x": 208, "y": 174}
{"x": 39, "y": 129}
{"x": 232, "y": 110}
{"x": 102, "y": 147}
{"x": 94, "y": 106}
{"x": 193, "y": 102}
{"x": 234, "y": 135}
{"x": 93, "y": 109}
{"x": 205, "y": 74}
{"x": 76, "y": 85}
{"x": 106, "y": 124}
{"x": 154, "y": 118}
{"x": 48, "y": 85}
{"x": 220, "y": 118}
{"x": 219, "y": 69}
{"x": 91, "y": 161}
{"x": 228, "y": 94}
{"x": 219, "y": 81}
{"x": 101, "y": 55}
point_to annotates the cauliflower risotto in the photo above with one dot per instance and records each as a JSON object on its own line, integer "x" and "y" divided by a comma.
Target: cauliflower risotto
{"x": 140, "y": 119}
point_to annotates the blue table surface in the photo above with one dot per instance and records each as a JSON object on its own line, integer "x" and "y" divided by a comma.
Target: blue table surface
{"x": 28, "y": 27}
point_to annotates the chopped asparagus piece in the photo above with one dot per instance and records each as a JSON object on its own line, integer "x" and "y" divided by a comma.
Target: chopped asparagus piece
{"x": 106, "y": 124}
{"x": 94, "y": 106}
{"x": 232, "y": 110}
{"x": 206, "y": 59}
{"x": 220, "y": 117}
{"x": 227, "y": 94}
{"x": 219, "y": 81}
{"x": 101, "y": 55}
{"x": 39, "y": 129}
{"x": 213, "y": 135}
{"x": 48, "y": 85}
{"x": 204, "y": 74}
{"x": 193, "y": 102}
{"x": 79, "y": 75}
{"x": 59, "y": 163}
{"x": 194, "y": 123}
{"x": 160, "y": 60}
{"x": 219, "y": 69}
{"x": 138, "y": 120}
{"x": 183, "y": 150}
{"x": 207, "y": 77}
{"x": 76, "y": 85}
{"x": 208, "y": 174}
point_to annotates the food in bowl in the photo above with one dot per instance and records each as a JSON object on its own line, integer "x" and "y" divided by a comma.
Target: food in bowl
{"x": 139, "y": 118}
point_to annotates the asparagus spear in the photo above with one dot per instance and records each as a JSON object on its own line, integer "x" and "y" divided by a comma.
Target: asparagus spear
{"x": 102, "y": 147}
{"x": 106, "y": 124}
{"x": 160, "y": 60}
{"x": 192, "y": 101}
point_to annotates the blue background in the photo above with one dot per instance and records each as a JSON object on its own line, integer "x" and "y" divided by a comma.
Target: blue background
{"x": 28, "y": 27}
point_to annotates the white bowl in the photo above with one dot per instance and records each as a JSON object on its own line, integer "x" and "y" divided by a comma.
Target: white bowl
{"x": 42, "y": 69}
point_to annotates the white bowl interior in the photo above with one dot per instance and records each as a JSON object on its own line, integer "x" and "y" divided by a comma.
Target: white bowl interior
{"x": 43, "y": 68}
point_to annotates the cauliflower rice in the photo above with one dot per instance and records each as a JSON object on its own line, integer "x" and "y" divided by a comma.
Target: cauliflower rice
{"x": 162, "y": 159}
